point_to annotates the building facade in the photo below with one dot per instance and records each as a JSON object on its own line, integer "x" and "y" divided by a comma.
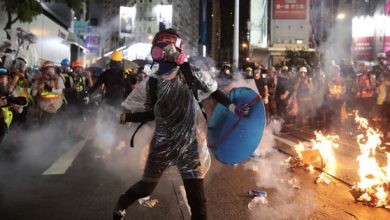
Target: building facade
{"x": 276, "y": 26}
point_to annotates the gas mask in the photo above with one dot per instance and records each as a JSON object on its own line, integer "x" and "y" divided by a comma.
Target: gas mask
{"x": 77, "y": 72}
{"x": 51, "y": 72}
{"x": 168, "y": 47}
{"x": 168, "y": 53}
{"x": 20, "y": 65}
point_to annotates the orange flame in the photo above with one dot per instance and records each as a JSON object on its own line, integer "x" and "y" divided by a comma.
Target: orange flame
{"x": 374, "y": 180}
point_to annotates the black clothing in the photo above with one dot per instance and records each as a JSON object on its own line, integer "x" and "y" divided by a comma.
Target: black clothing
{"x": 113, "y": 81}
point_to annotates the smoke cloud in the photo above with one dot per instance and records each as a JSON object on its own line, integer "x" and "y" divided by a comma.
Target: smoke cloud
{"x": 272, "y": 176}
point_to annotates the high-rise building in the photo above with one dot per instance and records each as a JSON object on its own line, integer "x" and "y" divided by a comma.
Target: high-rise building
{"x": 276, "y": 26}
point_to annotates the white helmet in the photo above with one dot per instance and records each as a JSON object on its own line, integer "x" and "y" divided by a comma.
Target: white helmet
{"x": 381, "y": 55}
{"x": 303, "y": 69}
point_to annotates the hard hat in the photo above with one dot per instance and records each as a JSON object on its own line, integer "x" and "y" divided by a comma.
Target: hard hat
{"x": 116, "y": 56}
{"x": 4, "y": 72}
{"x": 76, "y": 64}
{"x": 248, "y": 69}
{"x": 303, "y": 69}
{"x": 271, "y": 68}
{"x": 381, "y": 55}
{"x": 284, "y": 67}
{"x": 65, "y": 62}
{"x": 47, "y": 64}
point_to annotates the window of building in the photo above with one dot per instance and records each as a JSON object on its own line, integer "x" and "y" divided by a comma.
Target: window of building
{"x": 150, "y": 0}
{"x": 149, "y": 30}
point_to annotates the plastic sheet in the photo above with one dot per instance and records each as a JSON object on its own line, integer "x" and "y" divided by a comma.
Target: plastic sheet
{"x": 180, "y": 136}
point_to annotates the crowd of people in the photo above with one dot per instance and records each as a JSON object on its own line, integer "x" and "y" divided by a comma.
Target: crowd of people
{"x": 31, "y": 97}
{"x": 320, "y": 97}
{"x": 325, "y": 97}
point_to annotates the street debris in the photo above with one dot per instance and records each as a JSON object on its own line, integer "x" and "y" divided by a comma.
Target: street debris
{"x": 323, "y": 178}
{"x": 150, "y": 203}
{"x": 294, "y": 183}
{"x": 147, "y": 202}
{"x": 259, "y": 198}
{"x": 142, "y": 200}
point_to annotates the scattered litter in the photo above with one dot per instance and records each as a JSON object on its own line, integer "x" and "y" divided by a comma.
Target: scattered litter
{"x": 294, "y": 183}
{"x": 323, "y": 179}
{"x": 142, "y": 200}
{"x": 294, "y": 162}
{"x": 257, "y": 201}
{"x": 150, "y": 203}
{"x": 259, "y": 198}
{"x": 255, "y": 193}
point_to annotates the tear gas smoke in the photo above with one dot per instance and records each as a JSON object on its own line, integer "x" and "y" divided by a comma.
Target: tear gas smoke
{"x": 285, "y": 202}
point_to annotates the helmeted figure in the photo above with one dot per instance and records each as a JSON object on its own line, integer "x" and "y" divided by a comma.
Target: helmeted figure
{"x": 48, "y": 89}
{"x": 77, "y": 84}
{"x": 180, "y": 135}
{"x": 112, "y": 79}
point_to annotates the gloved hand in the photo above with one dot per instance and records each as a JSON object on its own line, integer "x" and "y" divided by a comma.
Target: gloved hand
{"x": 240, "y": 110}
{"x": 86, "y": 100}
{"x": 122, "y": 118}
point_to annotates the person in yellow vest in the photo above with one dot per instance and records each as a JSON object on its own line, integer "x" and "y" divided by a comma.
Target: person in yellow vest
{"x": 49, "y": 92}
{"x": 21, "y": 86}
{"x": 335, "y": 98}
{"x": 8, "y": 103}
{"x": 381, "y": 72}
{"x": 79, "y": 83}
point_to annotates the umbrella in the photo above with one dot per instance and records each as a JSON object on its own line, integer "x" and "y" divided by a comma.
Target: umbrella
{"x": 103, "y": 63}
{"x": 127, "y": 64}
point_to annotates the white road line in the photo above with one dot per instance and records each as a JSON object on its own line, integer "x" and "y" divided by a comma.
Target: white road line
{"x": 184, "y": 194}
{"x": 61, "y": 165}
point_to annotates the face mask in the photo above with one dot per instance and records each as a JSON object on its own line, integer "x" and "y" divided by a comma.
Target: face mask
{"x": 51, "y": 72}
{"x": 20, "y": 65}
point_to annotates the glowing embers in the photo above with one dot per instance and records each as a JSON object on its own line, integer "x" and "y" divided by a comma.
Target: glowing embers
{"x": 373, "y": 186}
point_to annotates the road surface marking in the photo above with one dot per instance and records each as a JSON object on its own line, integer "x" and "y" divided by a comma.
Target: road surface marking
{"x": 184, "y": 194}
{"x": 65, "y": 161}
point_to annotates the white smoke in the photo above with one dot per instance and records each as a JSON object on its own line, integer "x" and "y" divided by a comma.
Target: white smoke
{"x": 272, "y": 176}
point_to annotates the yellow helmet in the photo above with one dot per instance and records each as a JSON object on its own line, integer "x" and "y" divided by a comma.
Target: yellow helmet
{"x": 116, "y": 56}
{"x": 248, "y": 69}
{"x": 284, "y": 67}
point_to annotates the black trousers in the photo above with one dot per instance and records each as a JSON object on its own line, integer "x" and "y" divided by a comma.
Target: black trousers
{"x": 194, "y": 190}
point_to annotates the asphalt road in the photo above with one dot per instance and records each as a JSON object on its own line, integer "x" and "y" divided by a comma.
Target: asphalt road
{"x": 57, "y": 173}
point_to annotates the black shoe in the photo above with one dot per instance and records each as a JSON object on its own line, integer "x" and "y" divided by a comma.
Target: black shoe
{"x": 118, "y": 214}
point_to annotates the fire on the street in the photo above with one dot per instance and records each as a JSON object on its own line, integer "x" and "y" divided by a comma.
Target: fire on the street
{"x": 320, "y": 149}
{"x": 373, "y": 186}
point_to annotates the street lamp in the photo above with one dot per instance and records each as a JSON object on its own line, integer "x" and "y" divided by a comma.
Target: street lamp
{"x": 244, "y": 45}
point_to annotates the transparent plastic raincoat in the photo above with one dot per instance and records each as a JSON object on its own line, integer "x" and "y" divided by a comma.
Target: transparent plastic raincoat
{"x": 180, "y": 136}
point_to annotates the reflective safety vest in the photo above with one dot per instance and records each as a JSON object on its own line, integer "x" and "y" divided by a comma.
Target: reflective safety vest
{"x": 7, "y": 115}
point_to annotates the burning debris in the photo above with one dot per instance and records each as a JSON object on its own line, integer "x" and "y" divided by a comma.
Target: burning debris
{"x": 323, "y": 178}
{"x": 373, "y": 188}
{"x": 317, "y": 153}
